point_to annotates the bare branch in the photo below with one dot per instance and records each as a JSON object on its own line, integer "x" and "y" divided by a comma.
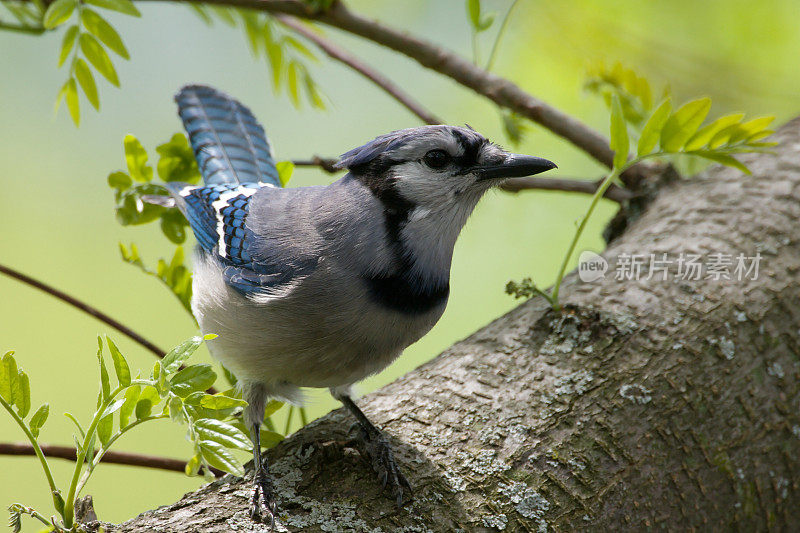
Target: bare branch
{"x": 615, "y": 193}
{"x": 113, "y": 457}
{"x": 497, "y": 89}
{"x": 343, "y": 56}
{"x": 89, "y": 310}
{"x": 83, "y": 306}
{"x": 326, "y": 164}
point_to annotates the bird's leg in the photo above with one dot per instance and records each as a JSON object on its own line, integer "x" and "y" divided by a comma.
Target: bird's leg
{"x": 380, "y": 453}
{"x": 262, "y": 482}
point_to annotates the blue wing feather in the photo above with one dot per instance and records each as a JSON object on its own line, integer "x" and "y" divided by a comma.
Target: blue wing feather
{"x": 229, "y": 144}
{"x": 235, "y": 159}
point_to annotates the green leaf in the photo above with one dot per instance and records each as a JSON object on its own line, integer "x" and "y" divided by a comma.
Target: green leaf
{"x": 98, "y": 57}
{"x": 619, "y": 134}
{"x": 175, "y": 357}
{"x": 105, "y": 382}
{"x": 275, "y": 56}
{"x": 269, "y": 439}
{"x": 38, "y": 419}
{"x": 175, "y": 406}
{"x": 136, "y": 158}
{"x": 23, "y": 395}
{"x": 147, "y": 400}
{"x": 104, "y": 429}
{"x": 652, "y": 129}
{"x": 225, "y": 15}
{"x": 101, "y": 29}
{"x": 474, "y": 11}
{"x": 122, "y": 6}
{"x": 216, "y": 455}
{"x": 67, "y": 44}
{"x": 143, "y": 408}
{"x": 131, "y": 397}
{"x": 706, "y": 133}
{"x": 313, "y": 92}
{"x": 173, "y": 226}
{"x": 192, "y": 466}
{"x": 192, "y": 378}
{"x": 683, "y": 124}
{"x": 58, "y": 12}
{"x": 225, "y": 434}
{"x": 285, "y": 171}
{"x": 757, "y": 125}
{"x": 86, "y": 79}
{"x": 291, "y": 83}
{"x": 120, "y": 364}
{"x": 71, "y": 96}
{"x": 160, "y": 377}
{"x": 272, "y": 407}
{"x": 120, "y": 181}
{"x": 219, "y": 401}
{"x": 177, "y": 162}
{"x": 8, "y": 377}
{"x": 724, "y": 159}
{"x": 77, "y": 424}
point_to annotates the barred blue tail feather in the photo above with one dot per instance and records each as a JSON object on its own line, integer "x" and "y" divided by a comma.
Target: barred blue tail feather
{"x": 228, "y": 142}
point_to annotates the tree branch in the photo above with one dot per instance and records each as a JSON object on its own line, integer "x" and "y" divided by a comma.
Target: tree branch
{"x": 89, "y": 310}
{"x": 112, "y": 457}
{"x": 497, "y": 89}
{"x": 343, "y": 56}
{"x": 615, "y": 192}
{"x": 86, "y": 308}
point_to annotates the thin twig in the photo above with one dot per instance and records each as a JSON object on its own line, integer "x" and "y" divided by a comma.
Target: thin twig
{"x": 113, "y": 457}
{"x": 326, "y": 164}
{"x": 86, "y": 308}
{"x": 499, "y": 90}
{"x": 615, "y": 192}
{"x": 499, "y": 37}
{"x": 343, "y": 56}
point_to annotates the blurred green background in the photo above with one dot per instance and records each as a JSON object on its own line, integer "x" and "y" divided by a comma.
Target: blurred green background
{"x": 57, "y": 221}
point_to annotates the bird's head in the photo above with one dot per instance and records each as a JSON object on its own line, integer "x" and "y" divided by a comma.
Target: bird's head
{"x": 436, "y": 167}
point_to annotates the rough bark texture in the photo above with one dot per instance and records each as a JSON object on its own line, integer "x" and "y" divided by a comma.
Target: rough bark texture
{"x": 648, "y": 404}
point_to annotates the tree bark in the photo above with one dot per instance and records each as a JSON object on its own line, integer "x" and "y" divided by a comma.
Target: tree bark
{"x": 647, "y": 404}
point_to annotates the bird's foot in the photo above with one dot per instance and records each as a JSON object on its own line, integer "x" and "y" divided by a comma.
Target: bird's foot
{"x": 383, "y": 462}
{"x": 263, "y": 492}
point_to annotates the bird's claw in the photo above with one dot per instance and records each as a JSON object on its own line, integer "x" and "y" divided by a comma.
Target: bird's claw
{"x": 263, "y": 491}
{"x": 383, "y": 462}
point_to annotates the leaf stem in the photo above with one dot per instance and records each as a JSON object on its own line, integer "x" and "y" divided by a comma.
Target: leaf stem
{"x": 103, "y": 449}
{"x": 69, "y": 507}
{"x": 499, "y": 36}
{"x": 609, "y": 179}
{"x": 42, "y": 459}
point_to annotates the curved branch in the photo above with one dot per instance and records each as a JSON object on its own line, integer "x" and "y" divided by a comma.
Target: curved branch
{"x": 86, "y": 308}
{"x": 614, "y": 192}
{"x": 497, "y": 89}
{"x": 89, "y": 310}
{"x": 343, "y": 56}
{"x": 112, "y": 457}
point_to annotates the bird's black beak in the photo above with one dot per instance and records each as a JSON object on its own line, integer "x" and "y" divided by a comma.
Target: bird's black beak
{"x": 516, "y": 166}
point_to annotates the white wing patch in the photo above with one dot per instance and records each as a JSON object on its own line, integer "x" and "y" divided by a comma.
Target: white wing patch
{"x": 224, "y": 198}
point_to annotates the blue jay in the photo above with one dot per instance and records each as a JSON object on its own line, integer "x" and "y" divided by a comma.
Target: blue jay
{"x": 324, "y": 286}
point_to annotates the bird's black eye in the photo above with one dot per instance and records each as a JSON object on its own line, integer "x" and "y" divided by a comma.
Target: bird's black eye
{"x": 437, "y": 159}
